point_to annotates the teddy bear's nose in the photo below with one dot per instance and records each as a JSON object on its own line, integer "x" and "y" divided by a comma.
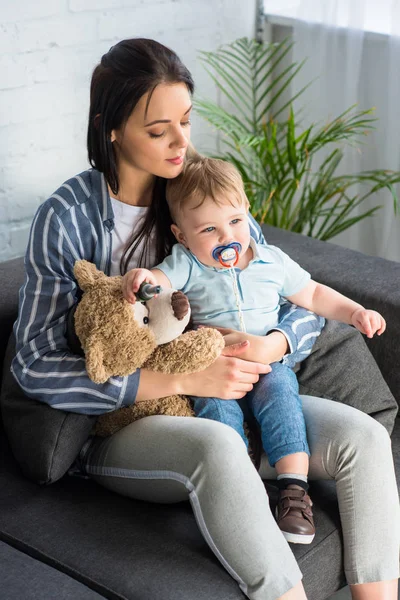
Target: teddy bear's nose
{"x": 180, "y": 305}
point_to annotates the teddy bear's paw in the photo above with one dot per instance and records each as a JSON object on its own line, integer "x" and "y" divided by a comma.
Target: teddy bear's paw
{"x": 111, "y": 422}
{"x": 174, "y": 406}
{"x": 190, "y": 352}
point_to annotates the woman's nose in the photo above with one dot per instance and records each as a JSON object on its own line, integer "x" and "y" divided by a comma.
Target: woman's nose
{"x": 180, "y": 140}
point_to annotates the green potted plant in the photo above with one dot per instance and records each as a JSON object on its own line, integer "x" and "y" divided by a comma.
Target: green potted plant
{"x": 275, "y": 155}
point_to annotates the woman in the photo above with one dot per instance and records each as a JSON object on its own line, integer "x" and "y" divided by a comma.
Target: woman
{"x": 138, "y": 136}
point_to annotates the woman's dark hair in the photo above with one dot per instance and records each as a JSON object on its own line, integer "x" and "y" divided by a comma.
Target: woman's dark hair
{"x": 126, "y": 72}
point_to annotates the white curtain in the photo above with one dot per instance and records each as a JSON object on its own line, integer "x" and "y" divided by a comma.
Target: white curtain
{"x": 351, "y": 65}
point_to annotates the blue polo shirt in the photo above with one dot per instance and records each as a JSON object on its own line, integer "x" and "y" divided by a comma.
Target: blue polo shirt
{"x": 270, "y": 275}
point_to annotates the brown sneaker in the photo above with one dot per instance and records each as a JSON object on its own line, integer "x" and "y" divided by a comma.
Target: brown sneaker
{"x": 294, "y": 515}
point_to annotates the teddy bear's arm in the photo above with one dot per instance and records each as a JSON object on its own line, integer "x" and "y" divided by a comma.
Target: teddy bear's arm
{"x": 190, "y": 352}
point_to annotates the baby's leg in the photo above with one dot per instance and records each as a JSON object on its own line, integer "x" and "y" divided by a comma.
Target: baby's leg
{"x": 223, "y": 411}
{"x": 276, "y": 405}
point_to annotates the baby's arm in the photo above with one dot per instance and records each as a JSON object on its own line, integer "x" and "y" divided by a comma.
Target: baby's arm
{"x": 330, "y": 304}
{"x": 133, "y": 279}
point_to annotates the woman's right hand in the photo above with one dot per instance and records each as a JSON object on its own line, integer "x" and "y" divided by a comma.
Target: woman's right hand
{"x": 229, "y": 377}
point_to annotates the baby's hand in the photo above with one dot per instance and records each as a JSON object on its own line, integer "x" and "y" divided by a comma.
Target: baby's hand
{"x": 368, "y": 322}
{"x": 132, "y": 281}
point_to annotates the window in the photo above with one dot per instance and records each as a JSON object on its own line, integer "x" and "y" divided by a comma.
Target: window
{"x": 369, "y": 15}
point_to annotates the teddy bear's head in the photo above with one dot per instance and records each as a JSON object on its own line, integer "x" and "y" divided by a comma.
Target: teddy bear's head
{"x": 118, "y": 337}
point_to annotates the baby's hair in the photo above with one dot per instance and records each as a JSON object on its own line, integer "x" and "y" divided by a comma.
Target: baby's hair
{"x": 205, "y": 177}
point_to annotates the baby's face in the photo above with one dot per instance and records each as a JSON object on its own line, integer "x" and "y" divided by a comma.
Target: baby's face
{"x": 202, "y": 229}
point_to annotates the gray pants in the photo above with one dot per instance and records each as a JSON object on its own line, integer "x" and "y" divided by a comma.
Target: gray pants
{"x": 170, "y": 459}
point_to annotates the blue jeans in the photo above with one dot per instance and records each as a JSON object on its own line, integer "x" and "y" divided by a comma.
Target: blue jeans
{"x": 275, "y": 403}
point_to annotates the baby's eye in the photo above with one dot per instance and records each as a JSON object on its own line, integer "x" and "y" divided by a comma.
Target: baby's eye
{"x": 208, "y": 229}
{"x": 235, "y": 221}
{"x": 156, "y": 135}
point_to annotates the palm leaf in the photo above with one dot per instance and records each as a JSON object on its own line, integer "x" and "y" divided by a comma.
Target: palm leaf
{"x": 274, "y": 153}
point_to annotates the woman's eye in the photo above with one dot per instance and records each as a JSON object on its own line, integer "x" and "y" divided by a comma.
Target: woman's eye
{"x": 145, "y": 320}
{"x": 160, "y": 135}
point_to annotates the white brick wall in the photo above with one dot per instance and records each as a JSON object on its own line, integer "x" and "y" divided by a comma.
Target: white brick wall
{"x": 48, "y": 49}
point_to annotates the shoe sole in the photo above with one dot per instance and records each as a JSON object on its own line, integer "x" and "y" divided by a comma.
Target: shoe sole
{"x": 295, "y": 538}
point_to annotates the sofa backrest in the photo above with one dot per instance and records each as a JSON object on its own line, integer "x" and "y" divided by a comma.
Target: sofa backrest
{"x": 369, "y": 280}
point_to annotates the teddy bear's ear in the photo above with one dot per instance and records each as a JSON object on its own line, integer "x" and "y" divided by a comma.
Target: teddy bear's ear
{"x": 87, "y": 274}
{"x": 95, "y": 362}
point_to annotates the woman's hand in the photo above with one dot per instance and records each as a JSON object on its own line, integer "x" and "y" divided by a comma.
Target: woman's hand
{"x": 264, "y": 349}
{"x": 132, "y": 281}
{"x": 229, "y": 377}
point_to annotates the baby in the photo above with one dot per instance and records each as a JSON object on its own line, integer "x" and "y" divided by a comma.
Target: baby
{"x": 233, "y": 283}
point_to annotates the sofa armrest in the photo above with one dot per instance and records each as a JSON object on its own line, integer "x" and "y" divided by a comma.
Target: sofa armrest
{"x": 371, "y": 281}
{"x": 11, "y": 278}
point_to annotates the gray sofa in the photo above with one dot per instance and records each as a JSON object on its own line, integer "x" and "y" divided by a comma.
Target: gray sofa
{"x": 76, "y": 540}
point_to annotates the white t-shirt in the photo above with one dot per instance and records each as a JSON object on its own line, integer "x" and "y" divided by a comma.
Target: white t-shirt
{"x": 127, "y": 220}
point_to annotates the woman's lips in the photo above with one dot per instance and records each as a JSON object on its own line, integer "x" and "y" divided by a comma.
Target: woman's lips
{"x": 176, "y": 161}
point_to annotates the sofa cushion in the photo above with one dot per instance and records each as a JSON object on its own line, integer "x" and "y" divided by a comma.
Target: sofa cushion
{"x": 23, "y": 577}
{"x": 327, "y": 373}
{"x": 135, "y": 550}
{"x": 26, "y": 421}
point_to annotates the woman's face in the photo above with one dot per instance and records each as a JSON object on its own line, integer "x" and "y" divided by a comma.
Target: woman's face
{"x": 155, "y": 140}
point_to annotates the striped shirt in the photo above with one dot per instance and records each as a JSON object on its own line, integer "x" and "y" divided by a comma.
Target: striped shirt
{"x": 76, "y": 223}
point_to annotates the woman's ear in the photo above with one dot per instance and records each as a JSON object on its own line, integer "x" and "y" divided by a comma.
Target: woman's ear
{"x": 96, "y": 120}
{"x": 179, "y": 235}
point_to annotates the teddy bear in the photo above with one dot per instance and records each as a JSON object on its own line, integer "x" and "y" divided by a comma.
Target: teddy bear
{"x": 118, "y": 337}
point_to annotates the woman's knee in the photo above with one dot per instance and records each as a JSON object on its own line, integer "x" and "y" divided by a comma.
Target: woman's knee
{"x": 364, "y": 441}
{"x": 340, "y": 435}
{"x": 341, "y": 423}
{"x": 218, "y": 444}
{"x": 371, "y": 436}
{"x": 362, "y": 429}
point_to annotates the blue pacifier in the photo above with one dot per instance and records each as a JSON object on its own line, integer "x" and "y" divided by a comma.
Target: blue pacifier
{"x": 226, "y": 254}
